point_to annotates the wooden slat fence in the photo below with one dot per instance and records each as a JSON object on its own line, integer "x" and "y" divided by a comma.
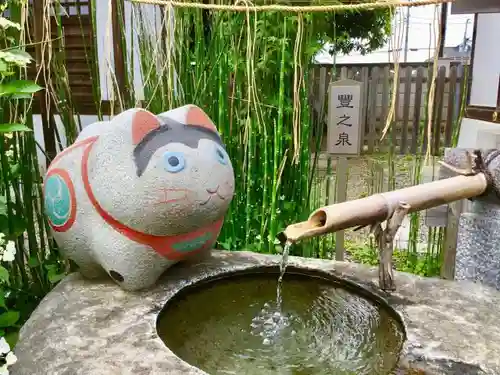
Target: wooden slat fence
{"x": 74, "y": 19}
{"x": 409, "y": 133}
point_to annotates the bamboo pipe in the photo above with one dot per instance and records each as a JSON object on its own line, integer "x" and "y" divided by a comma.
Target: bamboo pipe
{"x": 380, "y": 207}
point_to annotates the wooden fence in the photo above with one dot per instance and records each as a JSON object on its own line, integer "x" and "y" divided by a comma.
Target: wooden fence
{"x": 408, "y": 132}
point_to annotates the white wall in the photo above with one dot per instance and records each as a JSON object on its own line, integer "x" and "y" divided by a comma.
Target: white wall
{"x": 38, "y": 129}
{"x": 486, "y": 64}
{"x": 485, "y": 75}
{"x": 152, "y": 21}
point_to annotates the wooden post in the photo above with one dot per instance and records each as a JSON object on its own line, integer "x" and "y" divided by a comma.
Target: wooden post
{"x": 118, "y": 29}
{"x": 341, "y": 196}
{"x": 345, "y": 134}
{"x": 450, "y": 244}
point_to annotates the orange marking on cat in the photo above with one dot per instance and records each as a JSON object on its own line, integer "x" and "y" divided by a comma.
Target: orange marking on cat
{"x": 142, "y": 124}
{"x": 197, "y": 117}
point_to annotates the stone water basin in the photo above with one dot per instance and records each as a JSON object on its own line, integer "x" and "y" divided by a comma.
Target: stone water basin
{"x": 95, "y": 328}
{"x": 232, "y": 324}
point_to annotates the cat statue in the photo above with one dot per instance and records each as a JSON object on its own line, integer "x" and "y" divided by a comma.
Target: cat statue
{"x": 132, "y": 196}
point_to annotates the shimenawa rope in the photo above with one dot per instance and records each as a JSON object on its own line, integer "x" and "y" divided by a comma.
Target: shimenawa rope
{"x": 294, "y": 8}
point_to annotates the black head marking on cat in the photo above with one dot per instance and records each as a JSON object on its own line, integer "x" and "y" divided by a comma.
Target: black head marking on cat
{"x": 170, "y": 131}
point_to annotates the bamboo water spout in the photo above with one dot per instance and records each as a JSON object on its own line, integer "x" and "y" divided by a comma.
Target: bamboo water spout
{"x": 391, "y": 207}
{"x": 380, "y": 207}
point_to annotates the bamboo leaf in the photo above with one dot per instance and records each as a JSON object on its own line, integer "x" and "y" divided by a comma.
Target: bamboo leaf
{"x": 9, "y": 318}
{"x": 19, "y": 87}
{"x": 9, "y": 128}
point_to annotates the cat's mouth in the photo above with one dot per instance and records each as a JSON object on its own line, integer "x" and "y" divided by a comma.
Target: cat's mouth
{"x": 212, "y": 193}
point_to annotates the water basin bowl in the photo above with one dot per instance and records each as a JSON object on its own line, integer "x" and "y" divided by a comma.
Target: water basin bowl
{"x": 232, "y": 324}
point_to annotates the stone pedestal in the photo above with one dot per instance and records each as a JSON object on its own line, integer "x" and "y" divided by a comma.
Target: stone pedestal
{"x": 478, "y": 245}
{"x": 93, "y": 327}
{"x": 478, "y": 239}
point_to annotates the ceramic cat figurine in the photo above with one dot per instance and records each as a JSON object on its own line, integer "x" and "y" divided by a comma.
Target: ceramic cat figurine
{"x": 137, "y": 194}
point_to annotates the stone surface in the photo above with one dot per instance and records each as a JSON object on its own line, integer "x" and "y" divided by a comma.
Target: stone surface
{"x": 93, "y": 327}
{"x": 478, "y": 240}
{"x": 478, "y": 245}
{"x": 135, "y": 195}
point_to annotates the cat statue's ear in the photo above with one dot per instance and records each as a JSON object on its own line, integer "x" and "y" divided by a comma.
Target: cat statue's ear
{"x": 191, "y": 115}
{"x": 137, "y": 122}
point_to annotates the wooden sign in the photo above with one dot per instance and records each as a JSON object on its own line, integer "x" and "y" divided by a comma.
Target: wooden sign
{"x": 345, "y": 118}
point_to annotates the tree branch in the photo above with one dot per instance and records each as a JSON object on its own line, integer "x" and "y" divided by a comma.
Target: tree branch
{"x": 384, "y": 239}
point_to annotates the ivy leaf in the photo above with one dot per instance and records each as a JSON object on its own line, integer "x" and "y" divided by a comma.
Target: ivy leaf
{"x": 9, "y": 128}
{"x": 9, "y": 318}
{"x": 19, "y": 87}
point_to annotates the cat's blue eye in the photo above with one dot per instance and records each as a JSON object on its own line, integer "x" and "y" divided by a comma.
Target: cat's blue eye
{"x": 220, "y": 155}
{"x": 174, "y": 161}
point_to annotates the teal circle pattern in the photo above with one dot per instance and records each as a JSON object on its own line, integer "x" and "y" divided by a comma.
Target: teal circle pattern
{"x": 57, "y": 200}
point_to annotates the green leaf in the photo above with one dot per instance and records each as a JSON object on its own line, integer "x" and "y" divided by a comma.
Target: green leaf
{"x": 33, "y": 261}
{"x": 19, "y": 87}
{"x": 55, "y": 277}
{"x": 12, "y": 338}
{"x": 21, "y": 96}
{"x": 16, "y": 56}
{"x": 3, "y": 66}
{"x": 4, "y": 274}
{"x": 9, "y": 128}
{"x": 2, "y": 302}
{"x": 5, "y": 24}
{"x": 9, "y": 318}
{"x": 15, "y": 170}
{"x": 3, "y": 205}
{"x": 18, "y": 225}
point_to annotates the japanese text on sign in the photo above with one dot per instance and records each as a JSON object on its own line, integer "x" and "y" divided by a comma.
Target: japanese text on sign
{"x": 344, "y": 118}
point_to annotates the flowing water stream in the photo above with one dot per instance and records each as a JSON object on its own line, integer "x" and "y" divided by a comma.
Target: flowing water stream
{"x": 248, "y": 325}
{"x": 283, "y": 264}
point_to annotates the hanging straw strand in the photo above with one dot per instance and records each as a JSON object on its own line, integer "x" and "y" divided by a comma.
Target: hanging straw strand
{"x": 297, "y": 8}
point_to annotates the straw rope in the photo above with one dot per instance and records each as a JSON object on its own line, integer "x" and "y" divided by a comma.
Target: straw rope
{"x": 295, "y": 8}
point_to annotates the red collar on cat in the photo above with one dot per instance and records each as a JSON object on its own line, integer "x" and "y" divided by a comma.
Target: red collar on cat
{"x": 171, "y": 247}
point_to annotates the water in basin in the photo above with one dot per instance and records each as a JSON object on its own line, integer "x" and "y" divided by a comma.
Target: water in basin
{"x": 234, "y": 325}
